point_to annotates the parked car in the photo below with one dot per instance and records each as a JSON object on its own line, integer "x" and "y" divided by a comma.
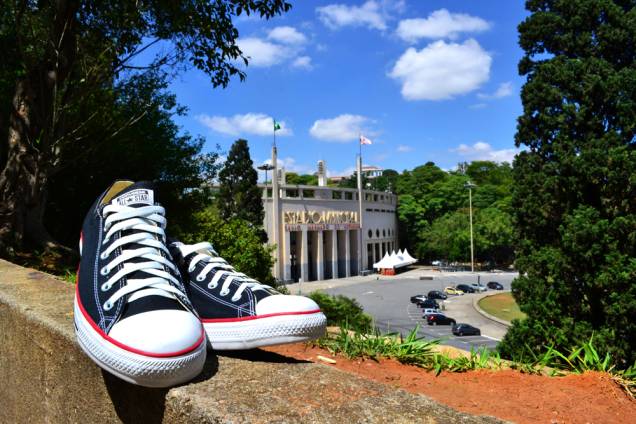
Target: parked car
{"x": 439, "y": 319}
{"x": 466, "y": 288}
{"x": 452, "y": 290}
{"x": 428, "y": 303}
{"x": 463, "y": 329}
{"x": 417, "y": 298}
{"x": 479, "y": 287}
{"x": 494, "y": 285}
{"x": 428, "y": 311}
{"x": 436, "y": 294}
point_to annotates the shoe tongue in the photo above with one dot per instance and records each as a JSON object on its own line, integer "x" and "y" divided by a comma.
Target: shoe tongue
{"x": 136, "y": 195}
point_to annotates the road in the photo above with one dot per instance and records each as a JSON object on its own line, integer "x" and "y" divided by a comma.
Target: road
{"x": 387, "y": 300}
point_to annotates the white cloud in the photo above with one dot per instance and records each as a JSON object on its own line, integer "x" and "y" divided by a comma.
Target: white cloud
{"x": 249, "y": 123}
{"x": 340, "y": 15}
{"x": 404, "y": 148}
{"x": 261, "y": 53}
{"x": 342, "y": 128}
{"x": 442, "y": 70}
{"x": 484, "y": 151}
{"x": 302, "y": 62}
{"x": 287, "y": 35}
{"x": 284, "y": 44}
{"x": 504, "y": 90}
{"x": 291, "y": 165}
{"x": 347, "y": 172}
{"x": 440, "y": 24}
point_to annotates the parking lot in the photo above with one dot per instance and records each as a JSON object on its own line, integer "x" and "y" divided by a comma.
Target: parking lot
{"x": 387, "y": 299}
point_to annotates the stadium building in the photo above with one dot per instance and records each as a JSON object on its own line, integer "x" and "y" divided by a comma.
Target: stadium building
{"x": 322, "y": 232}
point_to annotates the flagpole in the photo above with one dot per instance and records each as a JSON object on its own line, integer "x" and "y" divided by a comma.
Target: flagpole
{"x": 359, "y": 166}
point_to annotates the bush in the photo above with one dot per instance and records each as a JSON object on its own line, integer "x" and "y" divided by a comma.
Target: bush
{"x": 342, "y": 311}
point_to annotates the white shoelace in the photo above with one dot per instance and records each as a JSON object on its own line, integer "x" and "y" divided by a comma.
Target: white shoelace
{"x": 148, "y": 222}
{"x": 222, "y": 269}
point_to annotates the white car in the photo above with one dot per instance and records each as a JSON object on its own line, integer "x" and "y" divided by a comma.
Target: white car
{"x": 479, "y": 287}
{"x": 428, "y": 311}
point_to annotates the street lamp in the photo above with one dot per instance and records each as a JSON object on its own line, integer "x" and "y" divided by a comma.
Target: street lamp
{"x": 470, "y": 187}
{"x": 266, "y": 167}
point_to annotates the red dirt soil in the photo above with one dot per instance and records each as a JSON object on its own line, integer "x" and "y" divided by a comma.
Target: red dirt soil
{"x": 510, "y": 395}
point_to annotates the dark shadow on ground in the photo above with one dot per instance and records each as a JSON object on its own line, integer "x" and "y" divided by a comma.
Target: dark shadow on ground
{"x": 258, "y": 355}
{"x": 137, "y": 404}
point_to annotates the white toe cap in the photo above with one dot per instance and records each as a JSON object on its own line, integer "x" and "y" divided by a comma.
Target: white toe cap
{"x": 281, "y": 303}
{"x": 162, "y": 332}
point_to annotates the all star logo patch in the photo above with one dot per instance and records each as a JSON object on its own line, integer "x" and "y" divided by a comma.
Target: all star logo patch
{"x": 135, "y": 197}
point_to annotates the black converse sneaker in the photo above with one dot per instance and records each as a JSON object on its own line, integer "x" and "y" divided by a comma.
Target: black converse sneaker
{"x": 132, "y": 316}
{"x": 237, "y": 311}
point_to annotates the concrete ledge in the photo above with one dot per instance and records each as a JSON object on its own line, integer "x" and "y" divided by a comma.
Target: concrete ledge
{"x": 46, "y": 378}
{"x": 486, "y": 314}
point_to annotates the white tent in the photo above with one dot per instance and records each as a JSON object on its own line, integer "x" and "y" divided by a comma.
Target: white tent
{"x": 385, "y": 262}
{"x": 408, "y": 257}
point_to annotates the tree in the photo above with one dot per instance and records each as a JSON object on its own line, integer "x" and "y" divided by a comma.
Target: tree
{"x": 574, "y": 196}
{"x": 239, "y": 195}
{"x": 63, "y": 54}
{"x": 305, "y": 179}
{"x": 237, "y": 241}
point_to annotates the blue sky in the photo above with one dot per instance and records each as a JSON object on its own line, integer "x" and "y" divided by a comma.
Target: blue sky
{"x": 424, "y": 80}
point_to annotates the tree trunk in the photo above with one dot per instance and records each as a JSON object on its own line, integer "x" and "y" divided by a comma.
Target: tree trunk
{"x": 23, "y": 179}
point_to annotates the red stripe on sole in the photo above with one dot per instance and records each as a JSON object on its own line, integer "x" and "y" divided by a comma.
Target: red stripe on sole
{"x": 278, "y": 314}
{"x": 126, "y": 347}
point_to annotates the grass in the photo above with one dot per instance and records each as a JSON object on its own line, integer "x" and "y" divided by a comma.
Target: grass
{"x": 414, "y": 350}
{"x": 502, "y": 306}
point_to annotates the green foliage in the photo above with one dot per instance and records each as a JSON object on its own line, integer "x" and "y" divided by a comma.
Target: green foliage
{"x": 342, "y": 311}
{"x": 239, "y": 196}
{"x": 575, "y": 185}
{"x": 433, "y": 212}
{"x": 237, "y": 241}
{"x": 305, "y": 179}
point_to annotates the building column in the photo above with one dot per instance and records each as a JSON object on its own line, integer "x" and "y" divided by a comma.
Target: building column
{"x": 304, "y": 260}
{"x": 286, "y": 256}
{"x": 347, "y": 254}
{"x": 334, "y": 253}
{"x": 320, "y": 257}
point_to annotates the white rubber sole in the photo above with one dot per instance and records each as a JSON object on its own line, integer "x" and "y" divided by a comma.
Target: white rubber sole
{"x": 138, "y": 369}
{"x": 268, "y": 331}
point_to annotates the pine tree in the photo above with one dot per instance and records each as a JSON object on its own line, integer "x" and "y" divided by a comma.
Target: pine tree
{"x": 239, "y": 195}
{"x": 574, "y": 195}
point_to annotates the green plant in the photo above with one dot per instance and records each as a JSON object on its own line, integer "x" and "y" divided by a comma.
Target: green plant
{"x": 342, "y": 311}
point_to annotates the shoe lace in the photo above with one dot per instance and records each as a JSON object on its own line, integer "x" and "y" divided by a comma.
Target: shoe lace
{"x": 147, "y": 224}
{"x": 223, "y": 268}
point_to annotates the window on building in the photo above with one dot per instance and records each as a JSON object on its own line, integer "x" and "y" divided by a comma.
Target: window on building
{"x": 348, "y": 195}
{"x": 370, "y": 234}
{"x": 336, "y": 195}
{"x": 383, "y": 233}
{"x": 309, "y": 193}
{"x": 377, "y": 233}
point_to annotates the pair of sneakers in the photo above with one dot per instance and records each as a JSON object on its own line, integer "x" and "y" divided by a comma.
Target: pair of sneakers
{"x": 144, "y": 307}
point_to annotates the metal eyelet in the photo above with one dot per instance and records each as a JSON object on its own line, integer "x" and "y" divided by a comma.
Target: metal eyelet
{"x": 224, "y": 292}
{"x": 190, "y": 269}
{"x": 200, "y": 278}
{"x": 235, "y": 299}
{"x": 103, "y": 256}
{"x": 104, "y": 271}
{"x": 108, "y": 306}
{"x": 105, "y": 287}
{"x": 212, "y": 286}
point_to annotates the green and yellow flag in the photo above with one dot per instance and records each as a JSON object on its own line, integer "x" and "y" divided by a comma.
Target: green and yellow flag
{"x": 276, "y": 126}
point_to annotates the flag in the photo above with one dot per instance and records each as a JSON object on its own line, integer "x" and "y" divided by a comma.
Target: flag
{"x": 364, "y": 140}
{"x": 276, "y": 126}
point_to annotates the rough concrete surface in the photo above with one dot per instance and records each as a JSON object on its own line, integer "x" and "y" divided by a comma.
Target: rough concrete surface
{"x": 45, "y": 377}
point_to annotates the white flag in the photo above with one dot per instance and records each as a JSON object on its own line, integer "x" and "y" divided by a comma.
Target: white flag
{"x": 364, "y": 140}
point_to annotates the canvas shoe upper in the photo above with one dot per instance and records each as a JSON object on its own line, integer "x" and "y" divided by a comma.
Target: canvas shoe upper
{"x": 132, "y": 314}
{"x": 237, "y": 311}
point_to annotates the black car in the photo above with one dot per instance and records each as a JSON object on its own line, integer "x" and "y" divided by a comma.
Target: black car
{"x": 494, "y": 285}
{"x": 428, "y": 303}
{"x": 439, "y": 319}
{"x": 418, "y": 298}
{"x": 465, "y": 288}
{"x": 436, "y": 294}
{"x": 462, "y": 329}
